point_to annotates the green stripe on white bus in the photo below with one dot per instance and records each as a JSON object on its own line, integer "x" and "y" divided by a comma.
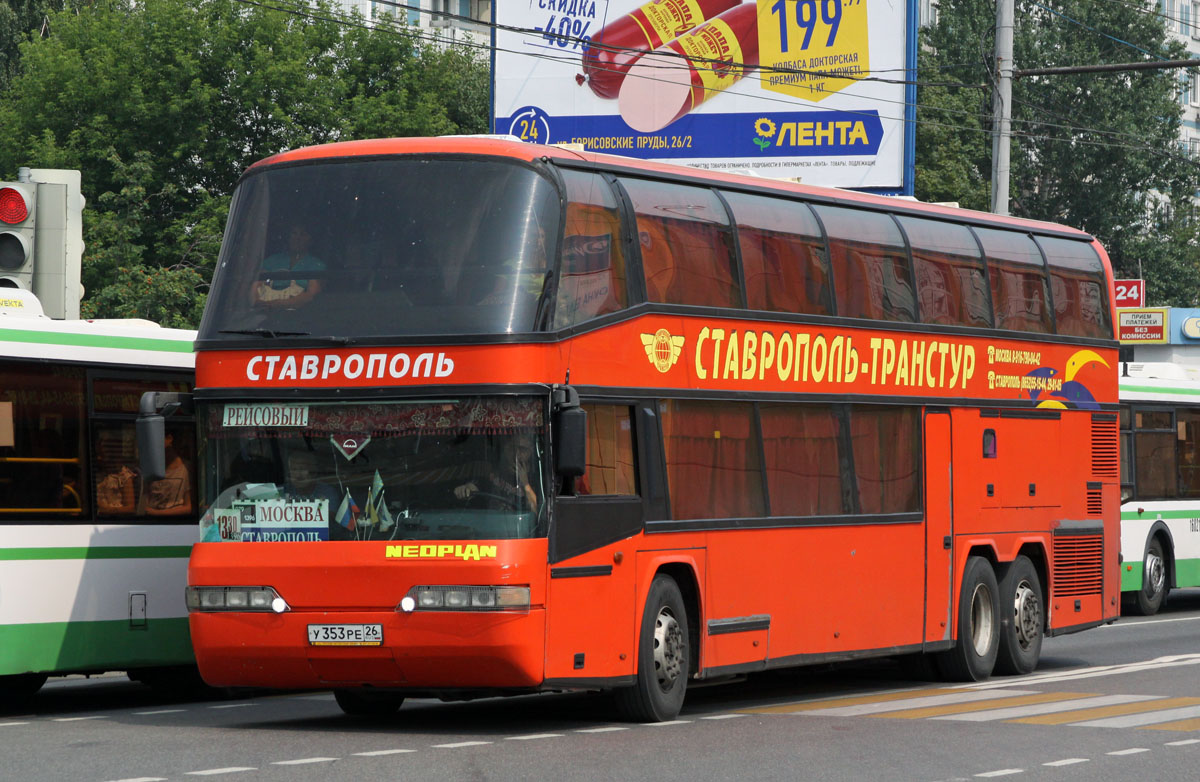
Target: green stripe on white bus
{"x": 95, "y": 341}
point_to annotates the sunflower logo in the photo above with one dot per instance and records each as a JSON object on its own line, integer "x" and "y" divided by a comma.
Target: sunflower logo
{"x": 765, "y": 129}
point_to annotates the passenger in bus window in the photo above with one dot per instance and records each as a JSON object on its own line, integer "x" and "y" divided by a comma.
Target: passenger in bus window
{"x": 304, "y": 469}
{"x": 116, "y": 489}
{"x": 508, "y": 483}
{"x": 172, "y": 494}
{"x": 289, "y": 291}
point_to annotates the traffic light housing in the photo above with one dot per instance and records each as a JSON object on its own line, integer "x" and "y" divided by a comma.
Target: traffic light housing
{"x": 41, "y": 238}
{"x": 18, "y": 204}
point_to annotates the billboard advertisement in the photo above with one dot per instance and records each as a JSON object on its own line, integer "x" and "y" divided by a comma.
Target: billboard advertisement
{"x": 817, "y": 90}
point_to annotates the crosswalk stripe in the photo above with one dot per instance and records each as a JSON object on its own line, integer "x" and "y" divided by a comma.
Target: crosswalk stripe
{"x": 1086, "y": 701}
{"x": 1138, "y": 720}
{"x": 864, "y": 709}
{"x": 789, "y": 708}
{"x": 959, "y": 708}
{"x": 1079, "y": 715}
{"x": 1178, "y": 725}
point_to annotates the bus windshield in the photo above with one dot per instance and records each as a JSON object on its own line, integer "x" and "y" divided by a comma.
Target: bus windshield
{"x": 394, "y": 247}
{"x": 471, "y": 469}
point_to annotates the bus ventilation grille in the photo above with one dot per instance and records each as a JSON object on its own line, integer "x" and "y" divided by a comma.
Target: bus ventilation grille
{"x": 1105, "y": 461}
{"x": 1095, "y": 502}
{"x": 1078, "y": 565}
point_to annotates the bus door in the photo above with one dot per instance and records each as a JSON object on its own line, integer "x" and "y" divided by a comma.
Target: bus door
{"x": 939, "y": 525}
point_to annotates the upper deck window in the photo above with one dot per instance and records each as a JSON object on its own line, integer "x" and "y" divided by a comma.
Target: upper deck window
{"x": 951, "y": 286}
{"x": 870, "y": 265}
{"x": 1017, "y": 274}
{"x": 592, "y": 271}
{"x": 687, "y": 254}
{"x": 1079, "y": 287}
{"x": 389, "y": 247}
{"x": 783, "y": 254}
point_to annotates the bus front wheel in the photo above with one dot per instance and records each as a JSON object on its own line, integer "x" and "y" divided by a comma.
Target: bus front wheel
{"x": 974, "y": 656}
{"x": 663, "y": 657}
{"x": 368, "y": 703}
{"x": 1154, "y": 580}
{"x": 1021, "y": 619}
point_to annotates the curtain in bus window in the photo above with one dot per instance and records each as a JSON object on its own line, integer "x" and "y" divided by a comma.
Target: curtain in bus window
{"x": 783, "y": 255}
{"x": 1017, "y": 276}
{"x": 870, "y": 265}
{"x": 43, "y": 468}
{"x": 886, "y": 458}
{"x": 712, "y": 451}
{"x": 951, "y": 287}
{"x": 1080, "y": 288}
{"x": 1154, "y": 455}
{"x": 685, "y": 244}
{"x": 610, "y": 452}
{"x": 800, "y": 443}
{"x": 1187, "y": 449}
{"x": 592, "y": 270}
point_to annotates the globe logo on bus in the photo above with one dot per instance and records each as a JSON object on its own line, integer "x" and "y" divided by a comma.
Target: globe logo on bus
{"x": 662, "y": 349}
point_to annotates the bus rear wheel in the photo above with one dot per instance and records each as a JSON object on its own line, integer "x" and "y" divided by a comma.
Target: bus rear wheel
{"x": 974, "y": 656}
{"x": 1022, "y": 619}
{"x": 368, "y": 703}
{"x": 663, "y": 658}
{"x": 1154, "y": 580}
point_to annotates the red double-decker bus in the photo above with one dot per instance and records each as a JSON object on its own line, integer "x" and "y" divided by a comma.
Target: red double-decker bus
{"x": 484, "y": 417}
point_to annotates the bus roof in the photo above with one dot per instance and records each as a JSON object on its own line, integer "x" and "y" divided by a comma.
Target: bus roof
{"x": 1159, "y": 382}
{"x": 501, "y": 146}
{"x": 136, "y": 342}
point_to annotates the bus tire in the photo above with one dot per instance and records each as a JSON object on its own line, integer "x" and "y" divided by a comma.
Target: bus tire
{"x": 1154, "y": 589}
{"x": 664, "y": 662}
{"x": 974, "y": 656}
{"x": 1022, "y": 618}
{"x": 368, "y": 703}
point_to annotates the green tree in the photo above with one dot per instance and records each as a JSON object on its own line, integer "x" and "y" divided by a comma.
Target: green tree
{"x": 1099, "y": 151}
{"x": 162, "y": 104}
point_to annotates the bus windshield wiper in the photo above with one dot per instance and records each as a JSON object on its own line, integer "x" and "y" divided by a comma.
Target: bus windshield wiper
{"x": 272, "y": 333}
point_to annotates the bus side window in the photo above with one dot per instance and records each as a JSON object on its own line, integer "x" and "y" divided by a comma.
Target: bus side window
{"x": 610, "y": 466}
{"x": 1080, "y": 288}
{"x": 592, "y": 272}
{"x": 887, "y": 458}
{"x": 713, "y": 463}
{"x": 951, "y": 286}
{"x": 989, "y": 443}
{"x": 871, "y": 268}
{"x": 1017, "y": 277}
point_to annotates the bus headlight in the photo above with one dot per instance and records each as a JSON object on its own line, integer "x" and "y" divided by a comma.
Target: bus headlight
{"x": 235, "y": 598}
{"x": 465, "y": 598}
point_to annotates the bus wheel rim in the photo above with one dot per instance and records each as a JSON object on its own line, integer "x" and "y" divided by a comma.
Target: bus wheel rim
{"x": 1028, "y": 619}
{"x": 982, "y": 619}
{"x": 1156, "y": 574}
{"x": 668, "y": 649}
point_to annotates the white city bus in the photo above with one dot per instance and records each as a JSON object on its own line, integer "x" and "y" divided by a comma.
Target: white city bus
{"x": 1160, "y": 482}
{"x": 93, "y": 560}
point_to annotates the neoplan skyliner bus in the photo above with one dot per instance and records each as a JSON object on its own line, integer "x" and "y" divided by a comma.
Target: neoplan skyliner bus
{"x": 483, "y": 417}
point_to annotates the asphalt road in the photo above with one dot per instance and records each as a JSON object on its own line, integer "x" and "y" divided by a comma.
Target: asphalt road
{"x": 1117, "y": 702}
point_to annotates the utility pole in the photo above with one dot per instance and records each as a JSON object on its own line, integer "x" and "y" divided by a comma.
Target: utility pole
{"x": 1002, "y": 106}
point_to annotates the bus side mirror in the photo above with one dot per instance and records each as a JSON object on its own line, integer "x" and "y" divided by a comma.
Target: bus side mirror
{"x": 570, "y": 442}
{"x": 152, "y": 453}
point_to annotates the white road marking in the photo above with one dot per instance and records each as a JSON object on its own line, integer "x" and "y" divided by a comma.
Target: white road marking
{"x": 458, "y": 744}
{"x": 1035, "y": 679}
{"x": 1034, "y": 709}
{"x": 669, "y": 722}
{"x": 533, "y": 736}
{"x": 302, "y": 761}
{"x": 911, "y": 703}
{"x": 142, "y": 779}
{"x": 1123, "y": 623}
{"x": 380, "y": 752}
{"x": 161, "y": 711}
{"x": 210, "y": 772}
{"x": 231, "y": 705}
{"x": 78, "y": 719}
{"x": 1130, "y": 751}
{"x": 608, "y": 729}
{"x": 1147, "y": 718}
{"x": 1066, "y": 762}
{"x": 1004, "y": 772}
{"x": 723, "y": 716}
{"x": 1183, "y": 743}
{"x": 11, "y": 724}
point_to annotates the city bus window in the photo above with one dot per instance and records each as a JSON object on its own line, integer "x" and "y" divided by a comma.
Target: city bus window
{"x": 783, "y": 255}
{"x": 1155, "y": 455}
{"x": 1080, "y": 288}
{"x": 591, "y": 278}
{"x": 1017, "y": 275}
{"x": 951, "y": 287}
{"x": 870, "y": 265}
{"x": 712, "y": 451}
{"x": 800, "y": 442}
{"x": 1188, "y": 451}
{"x": 685, "y": 241}
{"x": 610, "y": 467}
{"x": 44, "y": 462}
{"x": 115, "y": 465}
{"x": 887, "y": 452}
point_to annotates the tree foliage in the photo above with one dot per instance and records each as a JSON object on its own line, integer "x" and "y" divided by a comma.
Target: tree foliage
{"x": 163, "y": 103}
{"x": 1099, "y": 151}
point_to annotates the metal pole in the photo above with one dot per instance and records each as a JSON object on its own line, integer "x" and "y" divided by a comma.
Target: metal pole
{"x": 1002, "y": 106}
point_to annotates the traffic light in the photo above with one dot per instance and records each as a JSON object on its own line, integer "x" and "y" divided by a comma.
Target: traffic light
{"x": 41, "y": 238}
{"x": 18, "y": 203}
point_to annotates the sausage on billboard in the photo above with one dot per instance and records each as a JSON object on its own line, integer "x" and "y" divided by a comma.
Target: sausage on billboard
{"x": 667, "y": 83}
{"x": 619, "y": 44}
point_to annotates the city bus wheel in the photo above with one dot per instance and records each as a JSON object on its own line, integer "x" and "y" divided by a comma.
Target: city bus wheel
{"x": 20, "y": 687}
{"x": 1022, "y": 619}
{"x": 663, "y": 658}
{"x": 974, "y": 656}
{"x": 1154, "y": 580}
{"x": 368, "y": 703}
